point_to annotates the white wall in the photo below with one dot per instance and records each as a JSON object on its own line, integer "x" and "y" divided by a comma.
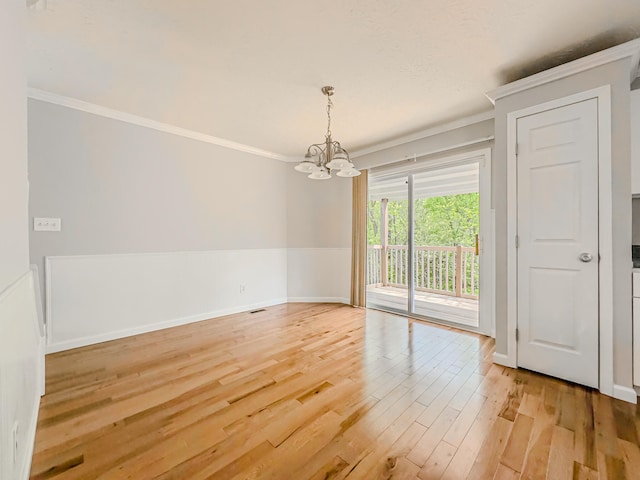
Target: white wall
{"x": 19, "y": 339}
{"x": 158, "y": 229}
{"x": 318, "y": 238}
{"x": 95, "y": 298}
{"x": 14, "y": 189}
{"x": 123, "y": 188}
{"x": 319, "y": 274}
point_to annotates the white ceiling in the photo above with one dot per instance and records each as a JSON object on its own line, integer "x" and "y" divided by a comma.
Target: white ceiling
{"x": 250, "y": 71}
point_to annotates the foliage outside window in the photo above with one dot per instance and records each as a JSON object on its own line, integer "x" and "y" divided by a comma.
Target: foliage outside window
{"x": 445, "y": 221}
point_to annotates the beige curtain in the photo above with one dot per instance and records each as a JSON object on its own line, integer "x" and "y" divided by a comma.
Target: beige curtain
{"x": 359, "y": 239}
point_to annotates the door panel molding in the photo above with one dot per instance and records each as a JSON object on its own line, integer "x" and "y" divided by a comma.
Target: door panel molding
{"x": 605, "y": 227}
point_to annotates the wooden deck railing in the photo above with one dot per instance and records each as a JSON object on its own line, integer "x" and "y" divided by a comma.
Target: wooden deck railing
{"x": 446, "y": 270}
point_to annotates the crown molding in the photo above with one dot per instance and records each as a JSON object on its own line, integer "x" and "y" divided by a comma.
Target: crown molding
{"x": 625, "y": 50}
{"x": 102, "y": 111}
{"x": 446, "y": 127}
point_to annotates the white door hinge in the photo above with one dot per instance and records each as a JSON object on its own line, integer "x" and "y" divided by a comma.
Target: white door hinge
{"x": 517, "y": 241}
{"x": 517, "y": 335}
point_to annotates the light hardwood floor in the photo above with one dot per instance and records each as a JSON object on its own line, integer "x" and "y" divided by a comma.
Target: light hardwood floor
{"x": 318, "y": 391}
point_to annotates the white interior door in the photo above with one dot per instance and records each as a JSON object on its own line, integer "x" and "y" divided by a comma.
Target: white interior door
{"x": 557, "y": 183}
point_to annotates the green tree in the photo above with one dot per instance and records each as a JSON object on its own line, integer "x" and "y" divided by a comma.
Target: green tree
{"x": 447, "y": 220}
{"x": 373, "y": 223}
{"x": 439, "y": 221}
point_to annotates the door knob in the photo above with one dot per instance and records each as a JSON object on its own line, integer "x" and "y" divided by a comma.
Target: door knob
{"x": 585, "y": 257}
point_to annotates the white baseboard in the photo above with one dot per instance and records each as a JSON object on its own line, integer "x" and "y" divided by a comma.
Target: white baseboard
{"x": 319, "y": 300}
{"x": 627, "y": 394}
{"x": 502, "y": 359}
{"x": 91, "y": 340}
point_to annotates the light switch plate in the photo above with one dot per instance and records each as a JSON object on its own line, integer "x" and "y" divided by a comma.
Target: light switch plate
{"x": 47, "y": 224}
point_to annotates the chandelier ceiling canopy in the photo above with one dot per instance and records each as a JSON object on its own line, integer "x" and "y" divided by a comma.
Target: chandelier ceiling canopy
{"x": 322, "y": 159}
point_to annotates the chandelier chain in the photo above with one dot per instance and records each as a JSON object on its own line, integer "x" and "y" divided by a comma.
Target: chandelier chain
{"x": 329, "y": 105}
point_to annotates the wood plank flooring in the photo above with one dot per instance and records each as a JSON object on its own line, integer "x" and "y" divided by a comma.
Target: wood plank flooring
{"x": 320, "y": 391}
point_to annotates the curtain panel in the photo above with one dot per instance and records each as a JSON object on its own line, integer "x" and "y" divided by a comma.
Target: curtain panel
{"x": 359, "y": 239}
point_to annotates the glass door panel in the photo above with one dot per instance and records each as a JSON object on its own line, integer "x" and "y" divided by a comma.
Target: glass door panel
{"x": 388, "y": 256}
{"x": 446, "y": 214}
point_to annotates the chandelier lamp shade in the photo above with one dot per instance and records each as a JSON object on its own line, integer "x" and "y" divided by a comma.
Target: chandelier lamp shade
{"x": 323, "y": 159}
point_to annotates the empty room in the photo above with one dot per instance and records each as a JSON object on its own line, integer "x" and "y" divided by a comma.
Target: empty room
{"x": 312, "y": 240}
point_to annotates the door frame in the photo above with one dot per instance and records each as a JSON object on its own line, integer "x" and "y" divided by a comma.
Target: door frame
{"x": 605, "y": 231}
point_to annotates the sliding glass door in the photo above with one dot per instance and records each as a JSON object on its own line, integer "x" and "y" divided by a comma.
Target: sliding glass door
{"x": 424, "y": 242}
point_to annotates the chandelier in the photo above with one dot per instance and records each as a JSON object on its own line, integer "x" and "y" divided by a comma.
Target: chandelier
{"x": 323, "y": 158}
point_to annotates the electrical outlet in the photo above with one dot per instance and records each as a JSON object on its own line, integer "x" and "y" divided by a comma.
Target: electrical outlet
{"x": 242, "y": 288}
{"x": 47, "y": 224}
